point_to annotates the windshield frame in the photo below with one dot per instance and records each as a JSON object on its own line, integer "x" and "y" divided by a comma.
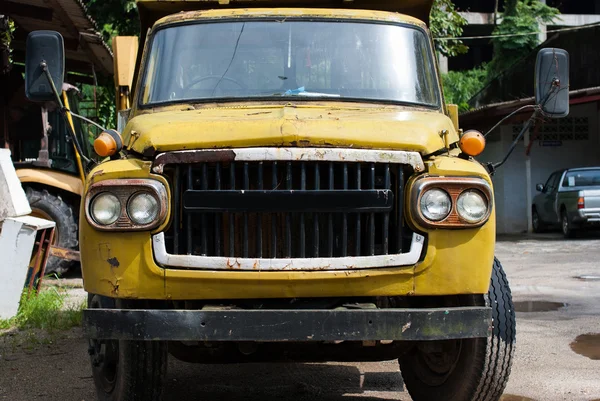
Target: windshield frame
{"x": 438, "y": 95}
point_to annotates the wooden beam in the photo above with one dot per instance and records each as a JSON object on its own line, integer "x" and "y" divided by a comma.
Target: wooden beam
{"x": 24, "y": 10}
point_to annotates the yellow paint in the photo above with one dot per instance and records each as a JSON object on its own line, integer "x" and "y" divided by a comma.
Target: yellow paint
{"x": 51, "y": 178}
{"x": 405, "y": 10}
{"x": 324, "y": 124}
{"x": 452, "y": 110}
{"x": 125, "y": 49}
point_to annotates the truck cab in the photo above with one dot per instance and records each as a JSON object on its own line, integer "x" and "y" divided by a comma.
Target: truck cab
{"x": 289, "y": 185}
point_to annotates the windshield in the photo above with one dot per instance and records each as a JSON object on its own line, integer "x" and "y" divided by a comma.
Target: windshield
{"x": 344, "y": 60}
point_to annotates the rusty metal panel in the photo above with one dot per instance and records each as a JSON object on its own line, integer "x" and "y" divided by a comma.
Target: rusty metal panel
{"x": 64, "y": 253}
{"x": 288, "y": 325}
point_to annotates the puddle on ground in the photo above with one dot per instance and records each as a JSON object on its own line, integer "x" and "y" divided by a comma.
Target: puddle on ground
{"x": 587, "y": 345}
{"x": 538, "y": 306}
{"x": 512, "y": 397}
{"x": 588, "y": 277}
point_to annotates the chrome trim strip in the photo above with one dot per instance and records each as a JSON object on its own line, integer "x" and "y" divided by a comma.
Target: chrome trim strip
{"x": 305, "y": 264}
{"x": 413, "y": 159}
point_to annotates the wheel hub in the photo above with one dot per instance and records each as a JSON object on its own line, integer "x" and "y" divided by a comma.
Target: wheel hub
{"x": 436, "y": 361}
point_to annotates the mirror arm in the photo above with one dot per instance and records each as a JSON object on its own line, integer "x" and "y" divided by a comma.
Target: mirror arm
{"x": 492, "y": 167}
{"x": 63, "y": 112}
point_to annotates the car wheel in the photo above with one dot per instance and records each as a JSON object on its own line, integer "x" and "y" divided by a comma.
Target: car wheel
{"x": 536, "y": 222}
{"x": 127, "y": 370}
{"x": 567, "y": 226}
{"x": 468, "y": 369}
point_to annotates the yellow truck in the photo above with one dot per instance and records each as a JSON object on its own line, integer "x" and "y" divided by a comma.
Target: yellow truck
{"x": 291, "y": 186}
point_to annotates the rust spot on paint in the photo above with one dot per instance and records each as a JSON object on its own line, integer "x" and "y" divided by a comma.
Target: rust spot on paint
{"x": 113, "y": 262}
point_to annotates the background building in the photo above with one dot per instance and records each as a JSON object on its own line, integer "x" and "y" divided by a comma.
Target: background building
{"x": 481, "y": 15}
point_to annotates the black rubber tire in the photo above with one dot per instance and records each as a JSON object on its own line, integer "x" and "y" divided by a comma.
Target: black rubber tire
{"x": 141, "y": 369}
{"x": 566, "y": 225}
{"x": 66, "y": 225}
{"x": 483, "y": 365}
{"x": 536, "y": 222}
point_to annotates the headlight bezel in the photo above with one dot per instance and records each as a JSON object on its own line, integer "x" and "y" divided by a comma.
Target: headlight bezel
{"x": 454, "y": 187}
{"x": 124, "y": 190}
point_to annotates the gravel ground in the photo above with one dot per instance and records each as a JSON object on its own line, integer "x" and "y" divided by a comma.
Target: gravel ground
{"x": 542, "y": 270}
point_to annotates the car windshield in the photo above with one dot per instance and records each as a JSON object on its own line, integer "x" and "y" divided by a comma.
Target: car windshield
{"x": 303, "y": 59}
{"x": 582, "y": 178}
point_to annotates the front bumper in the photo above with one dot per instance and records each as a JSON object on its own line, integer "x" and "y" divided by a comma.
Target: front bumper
{"x": 288, "y": 325}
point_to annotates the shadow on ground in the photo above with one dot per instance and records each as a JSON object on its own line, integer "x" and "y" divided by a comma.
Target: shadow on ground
{"x": 270, "y": 382}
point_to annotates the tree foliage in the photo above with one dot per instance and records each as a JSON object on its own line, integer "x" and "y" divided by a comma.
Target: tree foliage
{"x": 521, "y": 18}
{"x": 446, "y": 22}
{"x": 115, "y": 17}
{"x": 460, "y": 86}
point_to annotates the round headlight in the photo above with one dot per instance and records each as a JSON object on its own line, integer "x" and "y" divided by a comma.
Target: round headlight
{"x": 472, "y": 206}
{"x": 142, "y": 208}
{"x": 435, "y": 204}
{"x": 105, "y": 208}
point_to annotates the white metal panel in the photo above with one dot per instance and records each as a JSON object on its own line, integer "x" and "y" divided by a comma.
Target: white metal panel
{"x": 17, "y": 240}
{"x": 13, "y": 201}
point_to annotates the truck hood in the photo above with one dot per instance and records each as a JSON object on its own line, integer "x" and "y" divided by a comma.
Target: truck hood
{"x": 286, "y": 125}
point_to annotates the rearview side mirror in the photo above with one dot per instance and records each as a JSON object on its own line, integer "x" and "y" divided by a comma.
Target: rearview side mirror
{"x": 540, "y": 187}
{"x": 552, "y": 82}
{"x": 45, "y": 51}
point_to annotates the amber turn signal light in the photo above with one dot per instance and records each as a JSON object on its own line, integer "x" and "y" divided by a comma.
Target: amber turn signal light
{"x": 472, "y": 143}
{"x": 108, "y": 143}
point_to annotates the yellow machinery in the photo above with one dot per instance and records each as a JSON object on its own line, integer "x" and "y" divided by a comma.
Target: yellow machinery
{"x": 290, "y": 185}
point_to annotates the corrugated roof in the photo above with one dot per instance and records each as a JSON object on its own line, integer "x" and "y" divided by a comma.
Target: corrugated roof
{"x": 85, "y": 50}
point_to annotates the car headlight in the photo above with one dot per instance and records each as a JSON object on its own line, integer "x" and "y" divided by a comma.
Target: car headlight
{"x": 435, "y": 204}
{"x": 142, "y": 208}
{"x": 105, "y": 208}
{"x": 472, "y": 206}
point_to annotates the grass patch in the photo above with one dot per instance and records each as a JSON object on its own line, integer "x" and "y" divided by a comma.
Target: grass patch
{"x": 44, "y": 310}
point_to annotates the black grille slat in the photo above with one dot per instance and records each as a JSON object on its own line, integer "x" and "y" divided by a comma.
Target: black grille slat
{"x": 371, "y": 235}
{"x": 358, "y": 238}
{"x": 386, "y": 215}
{"x": 302, "y": 215}
{"x": 345, "y": 215}
{"x": 246, "y": 239}
{"x": 259, "y": 232}
{"x": 203, "y": 229}
{"x": 218, "y": 216}
{"x": 188, "y": 223}
{"x": 316, "y": 239}
{"x": 288, "y": 217}
{"x": 330, "y": 238}
{"x": 176, "y": 204}
{"x": 274, "y": 184}
{"x": 399, "y": 208}
{"x": 232, "y": 215}
{"x": 287, "y": 209}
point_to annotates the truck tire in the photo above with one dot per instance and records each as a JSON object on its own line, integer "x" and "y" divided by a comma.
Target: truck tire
{"x": 52, "y": 207}
{"x": 127, "y": 370}
{"x": 469, "y": 369}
